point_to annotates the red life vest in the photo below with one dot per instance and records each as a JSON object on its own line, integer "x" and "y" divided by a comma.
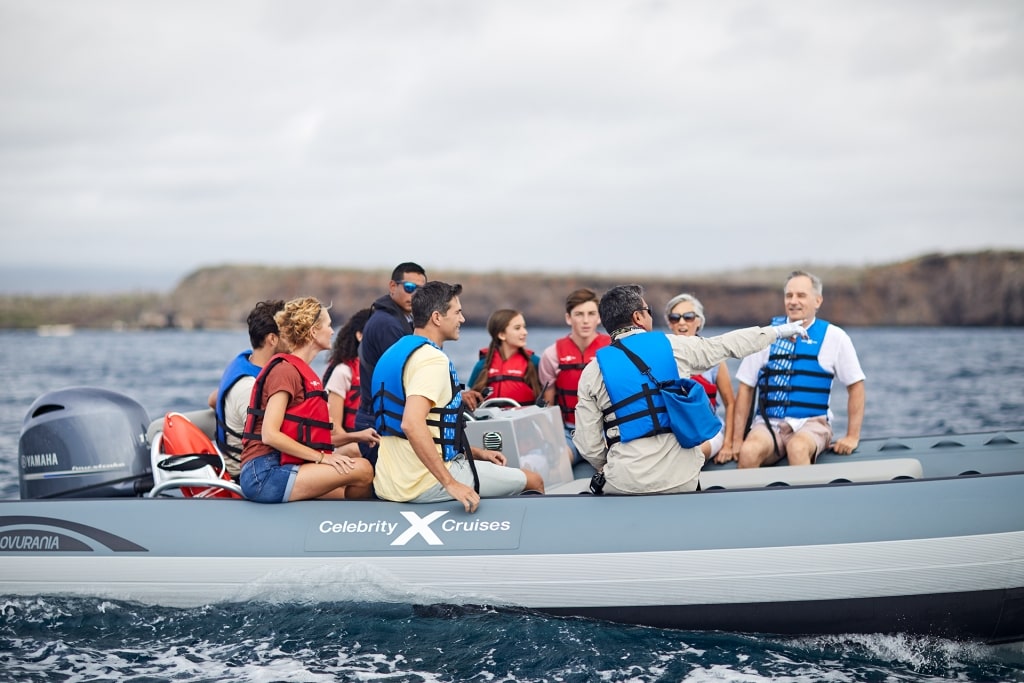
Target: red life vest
{"x": 571, "y": 361}
{"x": 507, "y": 378}
{"x": 308, "y": 422}
{"x": 348, "y": 419}
{"x": 351, "y": 399}
{"x": 709, "y": 387}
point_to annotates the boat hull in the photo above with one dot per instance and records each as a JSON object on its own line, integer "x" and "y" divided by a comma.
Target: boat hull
{"x": 938, "y": 556}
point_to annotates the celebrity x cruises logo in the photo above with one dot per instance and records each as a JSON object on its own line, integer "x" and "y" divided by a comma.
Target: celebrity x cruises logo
{"x": 433, "y": 529}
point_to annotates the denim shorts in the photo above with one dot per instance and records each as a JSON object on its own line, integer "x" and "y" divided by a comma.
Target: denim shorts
{"x": 265, "y": 480}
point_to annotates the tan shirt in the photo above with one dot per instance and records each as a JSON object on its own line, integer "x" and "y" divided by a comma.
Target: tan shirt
{"x": 656, "y": 464}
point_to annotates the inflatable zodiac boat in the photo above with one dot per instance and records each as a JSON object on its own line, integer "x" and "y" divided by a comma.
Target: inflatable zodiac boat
{"x": 916, "y": 535}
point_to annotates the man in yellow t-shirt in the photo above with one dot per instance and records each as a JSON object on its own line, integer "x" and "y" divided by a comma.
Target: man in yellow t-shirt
{"x": 419, "y": 462}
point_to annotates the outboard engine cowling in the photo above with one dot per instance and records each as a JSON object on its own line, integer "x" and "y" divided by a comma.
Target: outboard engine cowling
{"x": 84, "y": 442}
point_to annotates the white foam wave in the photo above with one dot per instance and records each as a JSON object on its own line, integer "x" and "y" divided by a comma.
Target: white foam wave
{"x": 352, "y": 583}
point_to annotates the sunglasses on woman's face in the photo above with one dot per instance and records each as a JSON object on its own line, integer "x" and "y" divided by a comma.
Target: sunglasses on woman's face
{"x": 409, "y": 287}
{"x": 689, "y": 317}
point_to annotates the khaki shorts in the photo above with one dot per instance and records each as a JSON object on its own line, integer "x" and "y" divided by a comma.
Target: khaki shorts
{"x": 495, "y": 480}
{"x": 817, "y": 428}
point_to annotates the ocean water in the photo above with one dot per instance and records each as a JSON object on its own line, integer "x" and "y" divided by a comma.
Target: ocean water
{"x": 920, "y": 381}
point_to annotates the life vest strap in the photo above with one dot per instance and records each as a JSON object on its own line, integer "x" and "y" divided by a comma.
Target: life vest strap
{"x": 435, "y": 418}
{"x": 229, "y": 451}
{"x": 770, "y": 403}
{"x": 792, "y": 356}
{"x": 507, "y": 378}
{"x": 309, "y": 422}
{"x": 248, "y": 432}
{"x": 612, "y": 440}
{"x": 768, "y": 374}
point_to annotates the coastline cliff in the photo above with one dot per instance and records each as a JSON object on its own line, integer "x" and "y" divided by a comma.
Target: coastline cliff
{"x": 975, "y": 289}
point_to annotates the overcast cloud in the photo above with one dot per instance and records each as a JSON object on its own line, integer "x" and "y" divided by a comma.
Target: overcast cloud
{"x": 591, "y": 136}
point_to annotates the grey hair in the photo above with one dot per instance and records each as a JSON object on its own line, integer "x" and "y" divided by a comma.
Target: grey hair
{"x": 698, "y": 307}
{"x": 815, "y": 280}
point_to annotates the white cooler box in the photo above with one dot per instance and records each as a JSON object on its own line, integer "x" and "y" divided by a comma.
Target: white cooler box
{"x": 531, "y": 438}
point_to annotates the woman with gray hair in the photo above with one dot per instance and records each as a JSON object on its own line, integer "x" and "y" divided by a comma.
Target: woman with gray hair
{"x": 684, "y": 314}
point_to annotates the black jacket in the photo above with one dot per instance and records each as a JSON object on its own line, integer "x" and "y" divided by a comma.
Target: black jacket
{"x": 386, "y": 325}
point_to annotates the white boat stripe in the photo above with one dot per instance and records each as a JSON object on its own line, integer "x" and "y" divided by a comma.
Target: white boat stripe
{"x": 825, "y": 572}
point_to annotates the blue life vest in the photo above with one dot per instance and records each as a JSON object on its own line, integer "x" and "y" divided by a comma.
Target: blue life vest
{"x": 636, "y": 401}
{"x": 238, "y": 368}
{"x": 792, "y": 383}
{"x": 389, "y": 399}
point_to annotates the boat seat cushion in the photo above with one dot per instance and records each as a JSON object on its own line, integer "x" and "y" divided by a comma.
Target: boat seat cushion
{"x": 787, "y": 475}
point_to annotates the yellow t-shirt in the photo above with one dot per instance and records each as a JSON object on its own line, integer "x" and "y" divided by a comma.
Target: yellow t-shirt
{"x": 400, "y": 475}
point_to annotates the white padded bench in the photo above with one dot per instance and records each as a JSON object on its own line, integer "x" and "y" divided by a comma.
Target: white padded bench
{"x": 786, "y": 475}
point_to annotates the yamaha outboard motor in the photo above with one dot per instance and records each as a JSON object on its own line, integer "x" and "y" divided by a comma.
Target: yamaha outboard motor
{"x": 84, "y": 442}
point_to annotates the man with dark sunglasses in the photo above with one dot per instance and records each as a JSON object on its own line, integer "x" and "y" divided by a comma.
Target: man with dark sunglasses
{"x": 390, "y": 320}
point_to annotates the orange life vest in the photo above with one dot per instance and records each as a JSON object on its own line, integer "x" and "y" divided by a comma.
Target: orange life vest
{"x": 191, "y": 453}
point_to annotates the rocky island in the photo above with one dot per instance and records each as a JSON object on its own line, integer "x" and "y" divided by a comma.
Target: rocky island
{"x": 978, "y": 289}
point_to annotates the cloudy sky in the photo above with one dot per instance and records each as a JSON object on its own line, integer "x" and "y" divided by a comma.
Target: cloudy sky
{"x": 144, "y": 139}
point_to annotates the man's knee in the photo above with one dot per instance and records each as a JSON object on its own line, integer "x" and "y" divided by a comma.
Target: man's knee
{"x": 801, "y": 449}
{"x": 752, "y": 450}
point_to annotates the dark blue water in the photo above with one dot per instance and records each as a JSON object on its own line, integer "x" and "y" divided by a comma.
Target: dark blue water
{"x": 927, "y": 381}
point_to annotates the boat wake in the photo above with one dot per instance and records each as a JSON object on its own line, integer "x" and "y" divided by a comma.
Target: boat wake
{"x": 93, "y": 639}
{"x": 361, "y": 583}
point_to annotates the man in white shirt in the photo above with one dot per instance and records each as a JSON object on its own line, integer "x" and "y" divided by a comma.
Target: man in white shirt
{"x": 231, "y": 399}
{"x": 793, "y": 382}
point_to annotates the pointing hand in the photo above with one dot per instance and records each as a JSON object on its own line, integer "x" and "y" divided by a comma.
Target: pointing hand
{"x": 792, "y": 329}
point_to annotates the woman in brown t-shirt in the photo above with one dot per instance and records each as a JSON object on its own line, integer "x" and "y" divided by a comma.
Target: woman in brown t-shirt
{"x": 277, "y": 467}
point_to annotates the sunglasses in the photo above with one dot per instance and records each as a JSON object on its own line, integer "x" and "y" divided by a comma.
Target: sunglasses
{"x": 409, "y": 287}
{"x": 689, "y": 317}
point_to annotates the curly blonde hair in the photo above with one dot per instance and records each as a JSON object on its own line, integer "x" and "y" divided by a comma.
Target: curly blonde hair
{"x": 297, "y": 320}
